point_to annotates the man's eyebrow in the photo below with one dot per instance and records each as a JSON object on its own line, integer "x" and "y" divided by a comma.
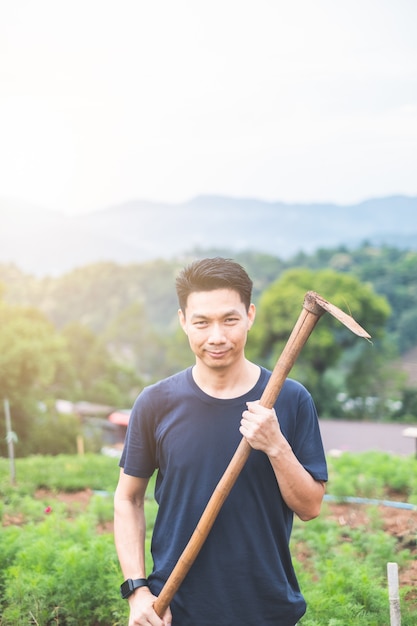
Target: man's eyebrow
{"x": 203, "y": 316}
{"x": 232, "y": 312}
{"x": 199, "y": 316}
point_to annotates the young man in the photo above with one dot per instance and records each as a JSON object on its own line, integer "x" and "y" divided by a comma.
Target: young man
{"x": 187, "y": 427}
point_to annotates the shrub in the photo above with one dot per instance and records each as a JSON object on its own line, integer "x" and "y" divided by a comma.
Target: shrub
{"x": 57, "y": 569}
{"x": 61, "y": 572}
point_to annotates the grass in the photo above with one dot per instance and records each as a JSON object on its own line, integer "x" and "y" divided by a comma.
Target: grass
{"x": 373, "y": 475}
{"x": 55, "y": 568}
{"x": 342, "y": 572}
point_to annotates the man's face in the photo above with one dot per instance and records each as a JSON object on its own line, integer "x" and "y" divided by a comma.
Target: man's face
{"x": 216, "y": 323}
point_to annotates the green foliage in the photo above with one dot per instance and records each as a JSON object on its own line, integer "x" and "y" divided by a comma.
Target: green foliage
{"x": 95, "y": 294}
{"x": 178, "y": 352}
{"x": 55, "y": 434}
{"x": 61, "y": 473}
{"x": 281, "y": 304}
{"x": 29, "y": 351}
{"x": 279, "y": 308}
{"x": 62, "y": 572}
{"x": 94, "y": 373}
{"x": 131, "y": 339}
{"x": 38, "y": 365}
{"x": 55, "y": 568}
{"x": 49, "y": 433}
{"x": 31, "y": 354}
{"x": 342, "y": 572}
{"x": 390, "y": 271}
{"x": 114, "y": 328}
{"x": 345, "y": 579}
{"x": 373, "y": 475}
{"x": 408, "y": 411}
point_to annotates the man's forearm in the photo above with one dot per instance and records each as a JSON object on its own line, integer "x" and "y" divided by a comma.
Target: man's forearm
{"x": 301, "y": 492}
{"x": 129, "y": 537}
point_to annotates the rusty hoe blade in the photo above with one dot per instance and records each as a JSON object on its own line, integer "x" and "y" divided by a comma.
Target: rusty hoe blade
{"x": 312, "y": 299}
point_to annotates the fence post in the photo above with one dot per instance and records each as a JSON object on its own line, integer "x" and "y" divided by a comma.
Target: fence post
{"x": 394, "y": 595}
{"x": 10, "y": 437}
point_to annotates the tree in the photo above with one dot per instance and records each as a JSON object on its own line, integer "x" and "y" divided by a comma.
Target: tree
{"x": 279, "y": 308}
{"x": 30, "y": 352}
{"x": 94, "y": 375}
{"x": 132, "y": 340}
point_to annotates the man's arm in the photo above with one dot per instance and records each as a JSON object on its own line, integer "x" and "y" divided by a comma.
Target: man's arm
{"x": 130, "y": 525}
{"x": 301, "y": 492}
{"x": 129, "y": 537}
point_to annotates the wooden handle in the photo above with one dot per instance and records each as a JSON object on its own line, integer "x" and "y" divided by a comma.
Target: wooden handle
{"x": 302, "y": 330}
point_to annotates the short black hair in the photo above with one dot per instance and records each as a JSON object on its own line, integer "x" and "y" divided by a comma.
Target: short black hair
{"x": 216, "y": 273}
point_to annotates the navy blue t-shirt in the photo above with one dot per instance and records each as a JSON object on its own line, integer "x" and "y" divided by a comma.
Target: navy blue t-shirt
{"x": 243, "y": 574}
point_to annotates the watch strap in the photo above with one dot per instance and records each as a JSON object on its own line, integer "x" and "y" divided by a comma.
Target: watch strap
{"x": 130, "y": 585}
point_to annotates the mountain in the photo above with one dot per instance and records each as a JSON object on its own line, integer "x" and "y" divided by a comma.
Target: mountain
{"x": 46, "y": 242}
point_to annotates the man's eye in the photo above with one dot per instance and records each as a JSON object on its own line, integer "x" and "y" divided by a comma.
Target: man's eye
{"x": 231, "y": 320}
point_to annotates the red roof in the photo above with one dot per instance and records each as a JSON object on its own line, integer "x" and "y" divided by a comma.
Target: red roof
{"x": 121, "y": 418}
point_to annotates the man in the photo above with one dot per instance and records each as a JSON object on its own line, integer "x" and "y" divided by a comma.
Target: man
{"x": 187, "y": 427}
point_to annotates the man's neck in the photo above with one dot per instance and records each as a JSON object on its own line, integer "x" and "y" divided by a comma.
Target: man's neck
{"x": 226, "y": 384}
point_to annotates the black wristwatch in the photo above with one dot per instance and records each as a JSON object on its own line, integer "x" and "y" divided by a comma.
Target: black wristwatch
{"x": 129, "y": 586}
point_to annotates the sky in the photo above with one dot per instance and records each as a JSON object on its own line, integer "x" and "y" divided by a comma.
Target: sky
{"x": 103, "y": 102}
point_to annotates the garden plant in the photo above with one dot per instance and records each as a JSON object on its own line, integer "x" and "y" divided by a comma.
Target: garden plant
{"x": 58, "y": 564}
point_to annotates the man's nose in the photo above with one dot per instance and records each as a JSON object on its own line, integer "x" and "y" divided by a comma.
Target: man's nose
{"x": 216, "y": 334}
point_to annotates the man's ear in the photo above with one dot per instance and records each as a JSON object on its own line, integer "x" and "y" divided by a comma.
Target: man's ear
{"x": 181, "y": 318}
{"x": 251, "y": 315}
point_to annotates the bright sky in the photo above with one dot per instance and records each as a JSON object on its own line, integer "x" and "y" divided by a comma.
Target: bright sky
{"x": 294, "y": 100}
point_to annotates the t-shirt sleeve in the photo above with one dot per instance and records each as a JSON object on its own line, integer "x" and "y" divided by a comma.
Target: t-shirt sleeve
{"x": 138, "y": 456}
{"x": 309, "y": 446}
{"x": 300, "y": 425}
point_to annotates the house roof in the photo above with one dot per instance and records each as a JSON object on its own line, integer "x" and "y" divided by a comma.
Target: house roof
{"x": 121, "y": 418}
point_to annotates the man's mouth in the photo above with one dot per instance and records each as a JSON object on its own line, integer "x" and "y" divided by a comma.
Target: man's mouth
{"x": 217, "y": 354}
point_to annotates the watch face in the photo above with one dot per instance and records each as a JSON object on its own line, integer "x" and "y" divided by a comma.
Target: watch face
{"x": 126, "y": 588}
{"x": 129, "y": 586}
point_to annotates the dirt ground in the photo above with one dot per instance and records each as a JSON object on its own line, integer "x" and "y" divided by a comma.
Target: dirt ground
{"x": 400, "y": 523}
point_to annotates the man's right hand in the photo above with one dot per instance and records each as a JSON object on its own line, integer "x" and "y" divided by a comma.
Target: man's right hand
{"x": 142, "y": 612}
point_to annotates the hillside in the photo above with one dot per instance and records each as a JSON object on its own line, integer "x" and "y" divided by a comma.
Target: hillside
{"x": 46, "y": 242}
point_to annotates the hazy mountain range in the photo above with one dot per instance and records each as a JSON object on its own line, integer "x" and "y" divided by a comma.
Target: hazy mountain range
{"x": 47, "y": 242}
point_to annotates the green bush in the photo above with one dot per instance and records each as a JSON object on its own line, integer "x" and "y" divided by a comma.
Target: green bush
{"x": 343, "y": 576}
{"x": 60, "y": 572}
{"x": 373, "y": 475}
{"x": 57, "y": 567}
{"x": 54, "y": 434}
{"x": 60, "y": 473}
